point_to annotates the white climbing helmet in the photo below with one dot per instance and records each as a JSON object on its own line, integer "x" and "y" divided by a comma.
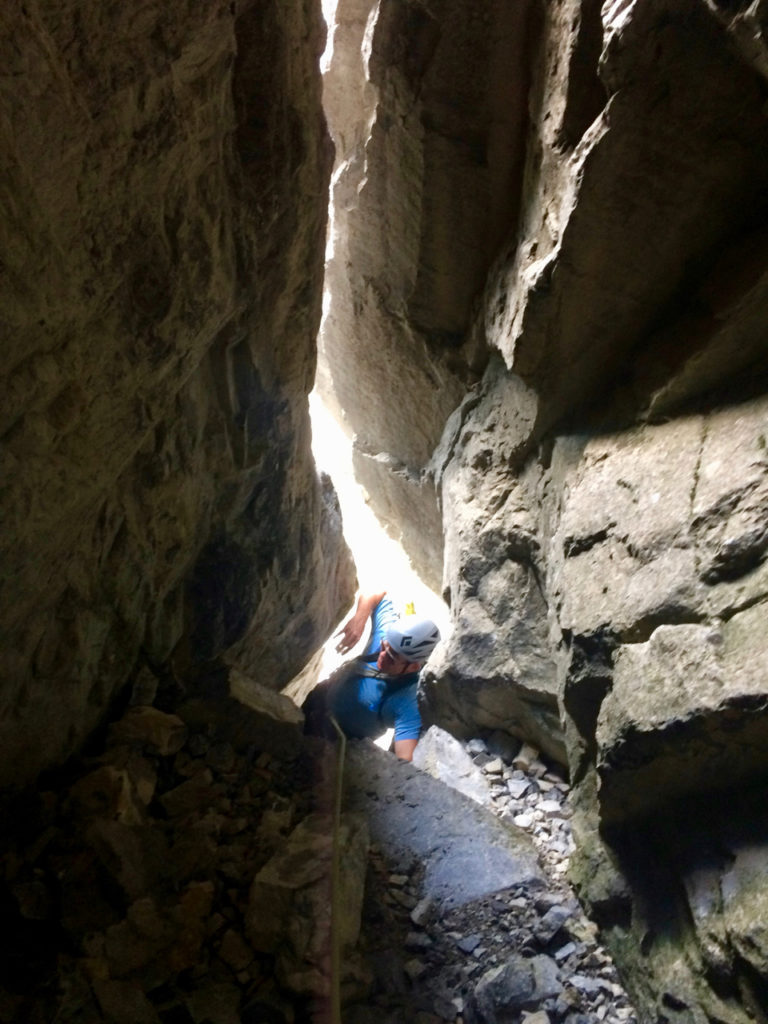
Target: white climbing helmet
{"x": 413, "y": 637}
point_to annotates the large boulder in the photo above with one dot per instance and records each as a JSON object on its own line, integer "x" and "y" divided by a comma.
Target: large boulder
{"x": 291, "y": 904}
{"x": 498, "y": 669}
{"x": 465, "y": 850}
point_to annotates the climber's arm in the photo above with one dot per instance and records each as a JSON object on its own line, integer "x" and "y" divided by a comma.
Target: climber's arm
{"x": 404, "y": 749}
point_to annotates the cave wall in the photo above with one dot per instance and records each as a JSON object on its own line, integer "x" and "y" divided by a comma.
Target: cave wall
{"x": 163, "y": 191}
{"x": 416, "y": 96}
{"x": 552, "y": 220}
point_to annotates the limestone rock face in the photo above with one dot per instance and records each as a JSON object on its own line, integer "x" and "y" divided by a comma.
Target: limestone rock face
{"x": 596, "y": 437}
{"x": 163, "y": 203}
{"x": 417, "y": 99}
{"x": 293, "y": 888}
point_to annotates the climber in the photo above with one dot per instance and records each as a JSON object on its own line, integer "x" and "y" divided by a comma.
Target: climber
{"x": 377, "y": 690}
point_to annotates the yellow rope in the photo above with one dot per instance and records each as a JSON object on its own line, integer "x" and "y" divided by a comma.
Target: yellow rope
{"x": 335, "y": 876}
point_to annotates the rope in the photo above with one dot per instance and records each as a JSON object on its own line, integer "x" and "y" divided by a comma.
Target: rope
{"x": 335, "y": 877}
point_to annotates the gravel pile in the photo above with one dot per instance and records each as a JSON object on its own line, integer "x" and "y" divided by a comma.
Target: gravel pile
{"x": 527, "y": 955}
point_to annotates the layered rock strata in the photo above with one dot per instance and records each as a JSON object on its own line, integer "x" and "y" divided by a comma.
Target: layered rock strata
{"x": 602, "y": 476}
{"x": 163, "y": 195}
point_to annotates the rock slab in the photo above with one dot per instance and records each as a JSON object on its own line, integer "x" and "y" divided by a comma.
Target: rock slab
{"x": 466, "y": 852}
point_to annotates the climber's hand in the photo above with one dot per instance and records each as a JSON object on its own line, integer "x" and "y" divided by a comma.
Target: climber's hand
{"x": 350, "y": 634}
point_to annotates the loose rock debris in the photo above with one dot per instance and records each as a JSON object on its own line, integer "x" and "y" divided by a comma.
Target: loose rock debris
{"x": 176, "y": 877}
{"x": 524, "y": 955}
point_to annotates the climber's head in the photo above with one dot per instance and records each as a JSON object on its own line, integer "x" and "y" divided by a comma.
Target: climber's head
{"x": 407, "y": 644}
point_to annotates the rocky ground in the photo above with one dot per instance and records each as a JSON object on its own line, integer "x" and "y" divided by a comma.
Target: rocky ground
{"x": 525, "y": 955}
{"x": 179, "y": 874}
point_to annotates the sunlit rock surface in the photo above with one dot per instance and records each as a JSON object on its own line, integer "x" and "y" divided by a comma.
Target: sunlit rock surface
{"x": 587, "y": 405}
{"x": 416, "y": 100}
{"x": 163, "y": 196}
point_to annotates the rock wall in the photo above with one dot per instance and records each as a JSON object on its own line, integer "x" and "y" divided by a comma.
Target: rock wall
{"x": 163, "y": 191}
{"x": 555, "y": 229}
{"x": 416, "y": 96}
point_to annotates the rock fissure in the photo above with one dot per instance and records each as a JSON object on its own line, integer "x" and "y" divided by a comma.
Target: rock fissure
{"x": 545, "y": 328}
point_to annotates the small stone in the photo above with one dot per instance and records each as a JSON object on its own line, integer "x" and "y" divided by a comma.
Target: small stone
{"x": 404, "y": 899}
{"x": 417, "y": 942}
{"x": 191, "y": 795}
{"x": 106, "y": 792}
{"x": 399, "y": 880}
{"x": 214, "y": 923}
{"x": 551, "y": 923}
{"x": 414, "y": 969}
{"x": 476, "y": 746}
{"x": 221, "y": 757}
{"x": 198, "y": 744}
{"x": 526, "y": 757}
{"x": 33, "y": 899}
{"x": 518, "y": 984}
{"x": 538, "y": 1017}
{"x": 215, "y": 1001}
{"x": 144, "y": 689}
{"x": 234, "y": 826}
{"x": 469, "y": 943}
{"x": 124, "y": 1003}
{"x": 590, "y": 986}
{"x": 159, "y": 732}
{"x": 523, "y": 820}
{"x": 422, "y": 912}
{"x": 552, "y": 808}
{"x": 565, "y": 951}
{"x": 444, "y": 1008}
{"x": 493, "y": 767}
{"x": 234, "y": 951}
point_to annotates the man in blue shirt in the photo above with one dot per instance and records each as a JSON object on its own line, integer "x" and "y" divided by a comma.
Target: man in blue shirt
{"x": 377, "y": 691}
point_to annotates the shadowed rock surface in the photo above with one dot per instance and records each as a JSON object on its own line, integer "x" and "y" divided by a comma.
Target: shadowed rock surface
{"x": 546, "y": 333}
{"x": 163, "y": 219}
{"x": 181, "y": 871}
